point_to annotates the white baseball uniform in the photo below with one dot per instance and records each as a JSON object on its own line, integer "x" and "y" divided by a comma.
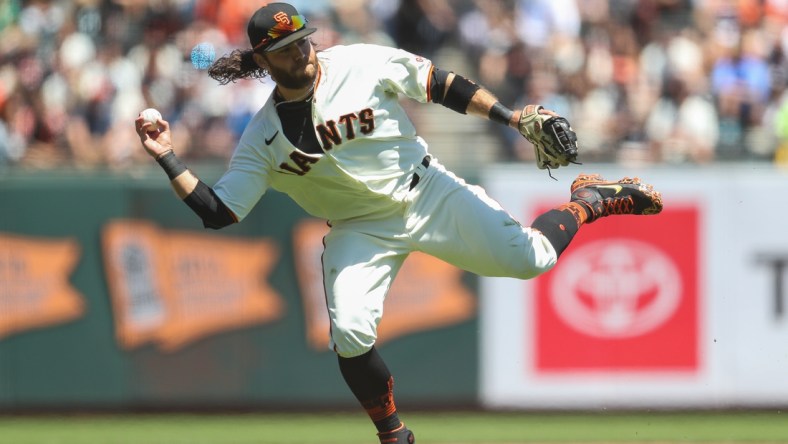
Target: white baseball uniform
{"x": 362, "y": 185}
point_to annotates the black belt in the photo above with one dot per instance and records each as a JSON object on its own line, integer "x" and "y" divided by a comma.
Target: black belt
{"x": 425, "y": 162}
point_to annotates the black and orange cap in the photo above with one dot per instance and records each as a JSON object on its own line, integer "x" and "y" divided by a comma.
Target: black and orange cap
{"x": 275, "y": 26}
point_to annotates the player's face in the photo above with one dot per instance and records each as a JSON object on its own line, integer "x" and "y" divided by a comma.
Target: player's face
{"x": 294, "y": 66}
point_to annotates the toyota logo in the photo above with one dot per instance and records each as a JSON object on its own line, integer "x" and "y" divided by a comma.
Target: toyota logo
{"x": 616, "y": 288}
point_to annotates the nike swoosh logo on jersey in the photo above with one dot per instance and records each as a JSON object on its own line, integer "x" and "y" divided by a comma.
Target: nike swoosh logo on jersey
{"x": 617, "y": 188}
{"x": 268, "y": 141}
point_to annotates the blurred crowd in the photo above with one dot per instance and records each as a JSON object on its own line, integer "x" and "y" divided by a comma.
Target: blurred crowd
{"x": 649, "y": 81}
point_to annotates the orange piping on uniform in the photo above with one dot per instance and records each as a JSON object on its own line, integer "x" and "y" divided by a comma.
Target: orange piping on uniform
{"x": 429, "y": 84}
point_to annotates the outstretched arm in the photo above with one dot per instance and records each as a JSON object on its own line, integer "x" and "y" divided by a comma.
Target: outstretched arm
{"x": 460, "y": 94}
{"x": 554, "y": 141}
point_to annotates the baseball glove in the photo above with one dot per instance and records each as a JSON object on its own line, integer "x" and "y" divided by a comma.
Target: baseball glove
{"x": 555, "y": 144}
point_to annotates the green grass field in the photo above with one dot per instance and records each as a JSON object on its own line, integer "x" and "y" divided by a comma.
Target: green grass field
{"x": 430, "y": 428}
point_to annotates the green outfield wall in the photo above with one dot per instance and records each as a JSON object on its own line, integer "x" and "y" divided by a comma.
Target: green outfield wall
{"x": 76, "y": 333}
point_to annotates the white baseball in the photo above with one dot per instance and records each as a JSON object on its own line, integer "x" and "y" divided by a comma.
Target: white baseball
{"x": 151, "y": 115}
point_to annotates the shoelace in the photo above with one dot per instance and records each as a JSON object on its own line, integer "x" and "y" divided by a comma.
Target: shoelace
{"x": 619, "y": 205}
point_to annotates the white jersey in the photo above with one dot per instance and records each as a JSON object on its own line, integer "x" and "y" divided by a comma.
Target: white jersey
{"x": 370, "y": 146}
{"x": 362, "y": 183}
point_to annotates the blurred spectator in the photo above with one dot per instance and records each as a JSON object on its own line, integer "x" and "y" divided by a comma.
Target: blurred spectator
{"x": 656, "y": 81}
{"x": 356, "y": 24}
{"x": 541, "y": 22}
{"x": 683, "y": 126}
{"x": 489, "y": 36}
{"x": 500, "y": 60}
{"x": 423, "y": 26}
{"x": 741, "y": 84}
{"x": 780, "y": 124}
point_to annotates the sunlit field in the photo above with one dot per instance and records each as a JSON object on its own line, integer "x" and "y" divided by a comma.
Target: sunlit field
{"x": 432, "y": 427}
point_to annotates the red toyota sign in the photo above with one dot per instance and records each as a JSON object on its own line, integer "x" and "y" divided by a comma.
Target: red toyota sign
{"x": 622, "y": 298}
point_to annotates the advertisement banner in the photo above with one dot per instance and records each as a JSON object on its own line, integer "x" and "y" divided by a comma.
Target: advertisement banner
{"x": 125, "y": 301}
{"x": 681, "y": 309}
{"x": 35, "y": 291}
{"x": 173, "y": 288}
{"x": 622, "y": 291}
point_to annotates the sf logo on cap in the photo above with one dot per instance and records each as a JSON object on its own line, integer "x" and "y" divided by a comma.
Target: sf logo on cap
{"x": 282, "y": 18}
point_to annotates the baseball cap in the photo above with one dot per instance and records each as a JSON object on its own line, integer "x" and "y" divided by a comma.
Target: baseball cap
{"x": 275, "y": 26}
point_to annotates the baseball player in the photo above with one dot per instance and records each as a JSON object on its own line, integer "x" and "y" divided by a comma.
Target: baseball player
{"x": 334, "y": 137}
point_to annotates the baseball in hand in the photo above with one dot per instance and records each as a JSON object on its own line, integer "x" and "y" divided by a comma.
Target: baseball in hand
{"x": 151, "y": 115}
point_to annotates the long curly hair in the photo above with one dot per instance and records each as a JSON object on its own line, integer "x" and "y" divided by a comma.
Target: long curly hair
{"x": 237, "y": 65}
{"x": 240, "y": 64}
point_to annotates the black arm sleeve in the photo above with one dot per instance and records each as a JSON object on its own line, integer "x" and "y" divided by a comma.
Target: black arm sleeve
{"x": 438, "y": 84}
{"x": 204, "y": 201}
{"x": 459, "y": 94}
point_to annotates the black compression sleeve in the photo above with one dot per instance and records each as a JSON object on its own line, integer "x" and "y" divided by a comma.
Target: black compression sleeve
{"x": 371, "y": 382}
{"x": 438, "y": 85}
{"x": 213, "y": 212}
{"x": 458, "y": 96}
{"x": 559, "y": 227}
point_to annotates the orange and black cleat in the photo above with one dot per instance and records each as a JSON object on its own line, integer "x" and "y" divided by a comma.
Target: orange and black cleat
{"x": 604, "y": 198}
{"x": 400, "y": 435}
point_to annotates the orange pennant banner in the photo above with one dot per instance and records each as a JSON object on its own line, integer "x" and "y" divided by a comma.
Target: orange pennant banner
{"x": 173, "y": 288}
{"x": 427, "y": 293}
{"x": 34, "y": 283}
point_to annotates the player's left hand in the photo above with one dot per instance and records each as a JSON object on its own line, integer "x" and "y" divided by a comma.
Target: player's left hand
{"x": 554, "y": 141}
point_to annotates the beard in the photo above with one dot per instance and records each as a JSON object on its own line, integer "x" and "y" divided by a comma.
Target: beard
{"x": 302, "y": 78}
